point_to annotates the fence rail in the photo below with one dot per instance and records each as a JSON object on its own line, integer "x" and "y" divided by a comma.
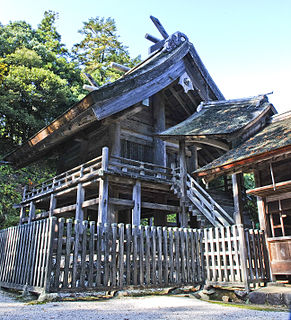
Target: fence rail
{"x": 64, "y": 255}
{"x": 139, "y": 169}
{"x": 64, "y": 179}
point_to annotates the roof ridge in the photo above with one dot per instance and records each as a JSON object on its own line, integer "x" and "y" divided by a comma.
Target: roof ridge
{"x": 233, "y": 102}
{"x": 281, "y": 116}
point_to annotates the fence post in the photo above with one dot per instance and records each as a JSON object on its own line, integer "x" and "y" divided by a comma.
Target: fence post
{"x": 49, "y": 262}
{"x": 243, "y": 256}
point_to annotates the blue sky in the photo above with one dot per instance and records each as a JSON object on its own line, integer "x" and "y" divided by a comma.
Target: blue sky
{"x": 244, "y": 44}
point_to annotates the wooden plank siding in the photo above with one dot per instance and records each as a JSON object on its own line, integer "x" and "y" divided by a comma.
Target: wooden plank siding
{"x": 52, "y": 256}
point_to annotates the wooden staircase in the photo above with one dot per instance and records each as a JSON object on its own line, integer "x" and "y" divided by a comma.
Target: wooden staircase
{"x": 200, "y": 203}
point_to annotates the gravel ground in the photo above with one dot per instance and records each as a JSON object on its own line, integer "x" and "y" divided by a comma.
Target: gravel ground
{"x": 143, "y": 308}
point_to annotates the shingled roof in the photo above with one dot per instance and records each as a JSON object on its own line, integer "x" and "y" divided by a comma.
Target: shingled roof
{"x": 154, "y": 74}
{"x": 220, "y": 117}
{"x": 274, "y": 139}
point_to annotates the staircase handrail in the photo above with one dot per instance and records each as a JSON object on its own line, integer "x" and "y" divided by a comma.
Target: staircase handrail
{"x": 212, "y": 204}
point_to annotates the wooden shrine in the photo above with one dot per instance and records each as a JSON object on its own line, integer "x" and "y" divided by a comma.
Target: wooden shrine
{"x": 140, "y": 152}
{"x": 112, "y": 165}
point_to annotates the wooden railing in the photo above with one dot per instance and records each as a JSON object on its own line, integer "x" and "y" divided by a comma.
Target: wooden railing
{"x": 144, "y": 170}
{"x": 95, "y": 167}
{"x": 206, "y": 204}
{"x": 56, "y": 256}
{"x": 212, "y": 211}
{"x": 82, "y": 172}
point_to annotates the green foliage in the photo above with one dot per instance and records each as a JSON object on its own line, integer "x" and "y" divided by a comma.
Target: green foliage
{"x": 99, "y": 47}
{"x": 38, "y": 81}
{"x": 11, "y": 184}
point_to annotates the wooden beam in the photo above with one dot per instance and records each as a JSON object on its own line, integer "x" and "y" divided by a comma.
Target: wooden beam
{"x": 161, "y": 207}
{"x": 121, "y": 202}
{"x": 119, "y": 67}
{"x": 64, "y": 209}
{"x": 180, "y": 101}
{"x": 89, "y": 88}
{"x": 90, "y": 203}
{"x": 211, "y": 142}
{"x": 91, "y": 80}
{"x": 136, "y": 197}
{"x": 159, "y": 26}
{"x": 152, "y": 38}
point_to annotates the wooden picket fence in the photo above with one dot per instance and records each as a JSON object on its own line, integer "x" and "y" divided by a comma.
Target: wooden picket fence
{"x": 61, "y": 255}
{"x": 235, "y": 256}
{"x": 24, "y": 253}
{"x": 115, "y": 256}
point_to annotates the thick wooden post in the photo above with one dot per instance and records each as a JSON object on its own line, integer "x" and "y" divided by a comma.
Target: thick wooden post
{"x": 183, "y": 179}
{"x": 22, "y": 214}
{"x": 53, "y": 203}
{"x": 237, "y": 198}
{"x": 114, "y": 133}
{"x": 243, "y": 256}
{"x": 31, "y": 212}
{"x": 80, "y": 199}
{"x": 193, "y": 160}
{"x": 136, "y": 197}
{"x": 103, "y": 189}
{"x": 158, "y": 105}
{"x": 49, "y": 261}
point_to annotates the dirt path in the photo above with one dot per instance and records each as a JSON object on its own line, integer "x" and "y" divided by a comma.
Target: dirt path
{"x": 144, "y": 308}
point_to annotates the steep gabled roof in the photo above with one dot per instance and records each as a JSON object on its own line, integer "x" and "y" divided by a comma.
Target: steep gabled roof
{"x": 220, "y": 118}
{"x": 151, "y": 76}
{"x": 273, "y": 140}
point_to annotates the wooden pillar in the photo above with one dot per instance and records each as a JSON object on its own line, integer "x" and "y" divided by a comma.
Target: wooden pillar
{"x": 264, "y": 224}
{"x": 136, "y": 197}
{"x": 158, "y": 105}
{"x": 114, "y": 133}
{"x": 112, "y": 209}
{"x": 22, "y": 214}
{"x": 193, "y": 160}
{"x": 22, "y": 208}
{"x": 103, "y": 189}
{"x": 80, "y": 199}
{"x": 31, "y": 212}
{"x": 53, "y": 203}
{"x": 183, "y": 179}
{"x": 237, "y": 198}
